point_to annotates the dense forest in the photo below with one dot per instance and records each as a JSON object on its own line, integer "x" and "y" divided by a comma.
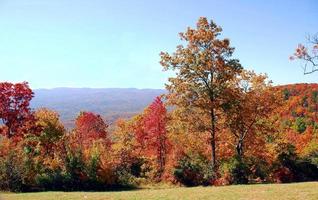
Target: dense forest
{"x": 218, "y": 124}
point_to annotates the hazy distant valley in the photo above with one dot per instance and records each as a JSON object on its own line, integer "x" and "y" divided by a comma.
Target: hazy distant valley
{"x": 111, "y": 103}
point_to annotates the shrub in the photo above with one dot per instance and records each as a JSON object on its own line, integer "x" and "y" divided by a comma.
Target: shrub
{"x": 236, "y": 170}
{"x": 53, "y": 180}
{"x": 75, "y": 168}
{"x": 259, "y": 169}
{"x": 11, "y": 177}
{"x": 193, "y": 170}
{"x": 283, "y": 175}
{"x": 310, "y": 153}
{"x": 125, "y": 177}
{"x": 313, "y": 158}
{"x": 290, "y": 167}
{"x": 92, "y": 167}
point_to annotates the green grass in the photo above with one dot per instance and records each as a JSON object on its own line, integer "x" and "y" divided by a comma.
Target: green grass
{"x": 302, "y": 191}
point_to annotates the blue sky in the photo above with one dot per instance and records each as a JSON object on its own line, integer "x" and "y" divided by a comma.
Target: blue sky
{"x": 99, "y": 43}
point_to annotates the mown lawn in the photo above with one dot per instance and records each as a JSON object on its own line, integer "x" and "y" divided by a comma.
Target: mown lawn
{"x": 302, "y": 191}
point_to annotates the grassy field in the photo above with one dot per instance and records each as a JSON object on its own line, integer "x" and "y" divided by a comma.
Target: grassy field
{"x": 302, "y": 191}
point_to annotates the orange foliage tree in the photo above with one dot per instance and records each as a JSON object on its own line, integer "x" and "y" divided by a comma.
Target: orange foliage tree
{"x": 52, "y": 129}
{"x": 251, "y": 105}
{"x": 204, "y": 68}
{"x": 124, "y": 146}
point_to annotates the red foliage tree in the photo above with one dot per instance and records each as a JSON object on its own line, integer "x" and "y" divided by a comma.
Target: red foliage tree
{"x": 90, "y": 127}
{"x": 15, "y": 112}
{"x": 155, "y": 120}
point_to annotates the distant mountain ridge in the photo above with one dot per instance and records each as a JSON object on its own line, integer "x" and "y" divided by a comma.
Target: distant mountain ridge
{"x": 111, "y": 103}
{"x": 114, "y": 103}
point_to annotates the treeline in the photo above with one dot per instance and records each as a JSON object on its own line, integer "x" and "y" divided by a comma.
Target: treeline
{"x": 224, "y": 125}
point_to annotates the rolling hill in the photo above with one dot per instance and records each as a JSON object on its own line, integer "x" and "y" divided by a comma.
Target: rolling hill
{"x": 111, "y": 103}
{"x": 299, "y": 100}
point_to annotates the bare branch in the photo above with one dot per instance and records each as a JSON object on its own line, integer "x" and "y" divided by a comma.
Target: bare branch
{"x": 309, "y": 56}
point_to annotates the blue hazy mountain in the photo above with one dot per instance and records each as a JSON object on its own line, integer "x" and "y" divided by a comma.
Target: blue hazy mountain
{"x": 111, "y": 103}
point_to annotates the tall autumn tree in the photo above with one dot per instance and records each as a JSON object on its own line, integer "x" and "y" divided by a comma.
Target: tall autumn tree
{"x": 251, "y": 105}
{"x": 15, "y": 111}
{"x": 204, "y": 68}
{"x": 155, "y": 121}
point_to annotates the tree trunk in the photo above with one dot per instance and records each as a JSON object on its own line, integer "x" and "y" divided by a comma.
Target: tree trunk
{"x": 213, "y": 156}
{"x": 161, "y": 153}
{"x": 239, "y": 148}
{"x": 9, "y": 131}
{"x": 316, "y": 109}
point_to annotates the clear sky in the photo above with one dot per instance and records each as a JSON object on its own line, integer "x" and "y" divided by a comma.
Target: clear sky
{"x": 100, "y": 43}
